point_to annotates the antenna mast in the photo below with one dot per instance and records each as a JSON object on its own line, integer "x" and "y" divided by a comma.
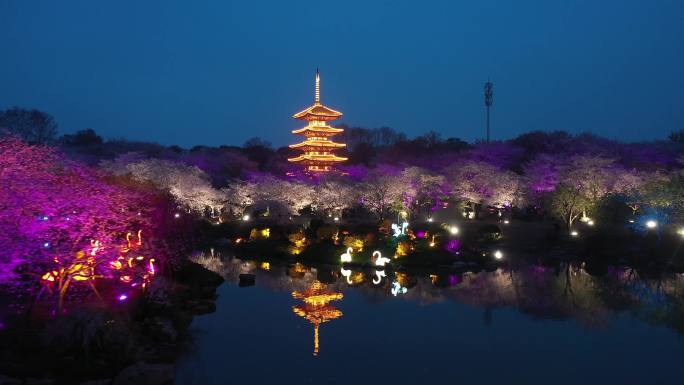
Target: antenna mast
{"x": 489, "y": 100}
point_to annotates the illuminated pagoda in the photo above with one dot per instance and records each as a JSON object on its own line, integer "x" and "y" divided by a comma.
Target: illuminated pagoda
{"x": 316, "y": 308}
{"x": 318, "y": 151}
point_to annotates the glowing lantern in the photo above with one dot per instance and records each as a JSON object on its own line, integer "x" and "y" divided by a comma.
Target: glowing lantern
{"x": 498, "y": 254}
{"x": 151, "y": 268}
{"x": 453, "y": 230}
{"x": 651, "y": 224}
{"x": 346, "y": 257}
{"x": 574, "y": 233}
{"x": 265, "y": 265}
{"x": 379, "y": 259}
{"x": 399, "y": 230}
{"x": 245, "y": 217}
{"x": 398, "y": 289}
{"x": 176, "y": 215}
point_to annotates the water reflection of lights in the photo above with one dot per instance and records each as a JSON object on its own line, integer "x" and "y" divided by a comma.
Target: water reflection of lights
{"x": 379, "y": 275}
{"x": 347, "y": 274}
{"x": 316, "y": 308}
{"x": 398, "y": 289}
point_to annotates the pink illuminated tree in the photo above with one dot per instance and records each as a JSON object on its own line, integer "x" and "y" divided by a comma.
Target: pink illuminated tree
{"x": 58, "y": 216}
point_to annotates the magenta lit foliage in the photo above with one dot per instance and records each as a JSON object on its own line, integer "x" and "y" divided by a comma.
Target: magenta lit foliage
{"x": 51, "y": 209}
{"x": 453, "y": 245}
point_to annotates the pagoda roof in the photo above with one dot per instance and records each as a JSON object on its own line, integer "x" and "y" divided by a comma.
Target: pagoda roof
{"x": 317, "y": 112}
{"x": 319, "y": 158}
{"x": 327, "y": 129}
{"x": 318, "y": 143}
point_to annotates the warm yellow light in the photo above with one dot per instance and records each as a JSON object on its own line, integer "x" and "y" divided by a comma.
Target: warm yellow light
{"x": 651, "y": 224}
{"x": 498, "y": 254}
{"x": 453, "y": 230}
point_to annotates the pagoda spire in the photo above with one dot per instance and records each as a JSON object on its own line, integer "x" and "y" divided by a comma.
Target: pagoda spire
{"x": 318, "y": 88}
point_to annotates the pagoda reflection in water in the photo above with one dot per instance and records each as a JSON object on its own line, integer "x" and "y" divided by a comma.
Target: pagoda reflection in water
{"x": 316, "y": 308}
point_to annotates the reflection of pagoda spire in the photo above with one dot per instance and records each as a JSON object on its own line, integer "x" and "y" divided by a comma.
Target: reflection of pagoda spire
{"x": 315, "y": 308}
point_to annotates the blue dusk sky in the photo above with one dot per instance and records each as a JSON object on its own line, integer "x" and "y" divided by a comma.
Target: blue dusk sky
{"x": 220, "y": 72}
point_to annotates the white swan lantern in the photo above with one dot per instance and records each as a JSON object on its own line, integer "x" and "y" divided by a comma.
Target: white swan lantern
{"x": 346, "y": 257}
{"x": 379, "y": 259}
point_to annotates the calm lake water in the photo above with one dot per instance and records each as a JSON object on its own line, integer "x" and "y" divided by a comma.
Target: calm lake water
{"x": 529, "y": 325}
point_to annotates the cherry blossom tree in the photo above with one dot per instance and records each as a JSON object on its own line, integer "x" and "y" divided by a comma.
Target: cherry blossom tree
{"x": 60, "y": 217}
{"x": 333, "y": 196}
{"x": 583, "y": 182}
{"x": 478, "y": 182}
{"x": 423, "y": 189}
{"x": 189, "y": 185}
{"x": 542, "y": 174}
{"x": 380, "y": 191}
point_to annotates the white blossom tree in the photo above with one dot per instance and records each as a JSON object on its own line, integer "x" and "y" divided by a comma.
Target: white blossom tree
{"x": 478, "y": 182}
{"x": 189, "y": 185}
{"x": 422, "y": 188}
{"x": 380, "y": 191}
{"x": 333, "y": 196}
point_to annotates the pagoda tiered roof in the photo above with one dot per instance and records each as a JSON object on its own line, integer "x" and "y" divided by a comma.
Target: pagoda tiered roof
{"x": 318, "y": 143}
{"x": 318, "y": 158}
{"x": 318, "y": 128}
{"x": 317, "y": 112}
